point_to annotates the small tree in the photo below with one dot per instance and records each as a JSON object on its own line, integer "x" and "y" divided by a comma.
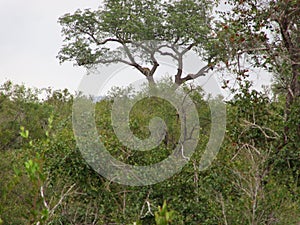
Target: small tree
{"x": 265, "y": 34}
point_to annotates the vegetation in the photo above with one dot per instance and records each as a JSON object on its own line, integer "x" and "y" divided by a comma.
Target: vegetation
{"x": 251, "y": 181}
{"x": 139, "y": 31}
{"x": 255, "y": 178}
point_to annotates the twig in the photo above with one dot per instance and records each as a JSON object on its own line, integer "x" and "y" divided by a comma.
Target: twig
{"x": 221, "y": 199}
{"x": 148, "y": 207}
{"x": 61, "y": 199}
{"x": 43, "y": 197}
{"x": 276, "y": 135}
{"x": 182, "y": 153}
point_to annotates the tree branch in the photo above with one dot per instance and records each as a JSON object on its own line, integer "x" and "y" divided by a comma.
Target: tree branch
{"x": 202, "y": 72}
{"x": 114, "y": 61}
{"x": 152, "y": 56}
{"x": 61, "y": 199}
{"x": 188, "y": 48}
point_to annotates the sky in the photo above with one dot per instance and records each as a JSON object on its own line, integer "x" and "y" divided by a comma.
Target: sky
{"x": 31, "y": 39}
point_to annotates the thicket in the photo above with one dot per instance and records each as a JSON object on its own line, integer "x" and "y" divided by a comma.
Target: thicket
{"x": 44, "y": 179}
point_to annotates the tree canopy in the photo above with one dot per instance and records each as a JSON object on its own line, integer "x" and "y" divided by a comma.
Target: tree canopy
{"x": 266, "y": 34}
{"x": 135, "y": 32}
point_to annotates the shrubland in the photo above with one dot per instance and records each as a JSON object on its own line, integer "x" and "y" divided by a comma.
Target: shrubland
{"x": 45, "y": 180}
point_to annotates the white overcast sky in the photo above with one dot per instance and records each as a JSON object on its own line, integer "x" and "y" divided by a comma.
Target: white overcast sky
{"x": 30, "y": 39}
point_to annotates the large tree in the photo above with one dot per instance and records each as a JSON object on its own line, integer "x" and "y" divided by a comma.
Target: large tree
{"x": 136, "y": 32}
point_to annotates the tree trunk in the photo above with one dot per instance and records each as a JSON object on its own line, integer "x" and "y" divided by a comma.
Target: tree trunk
{"x": 292, "y": 47}
{"x": 151, "y": 81}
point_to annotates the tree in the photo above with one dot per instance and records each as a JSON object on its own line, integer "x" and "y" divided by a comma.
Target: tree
{"x": 136, "y": 32}
{"x": 266, "y": 34}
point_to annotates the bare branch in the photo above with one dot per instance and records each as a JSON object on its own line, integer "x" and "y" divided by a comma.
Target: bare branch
{"x": 182, "y": 153}
{"x": 152, "y": 56}
{"x": 202, "y": 72}
{"x": 61, "y": 199}
{"x": 148, "y": 207}
{"x": 43, "y": 197}
{"x": 111, "y": 40}
{"x": 262, "y": 129}
{"x": 128, "y": 53}
{"x": 188, "y": 48}
{"x": 114, "y": 61}
{"x": 165, "y": 53}
{"x": 221, "y": 200}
